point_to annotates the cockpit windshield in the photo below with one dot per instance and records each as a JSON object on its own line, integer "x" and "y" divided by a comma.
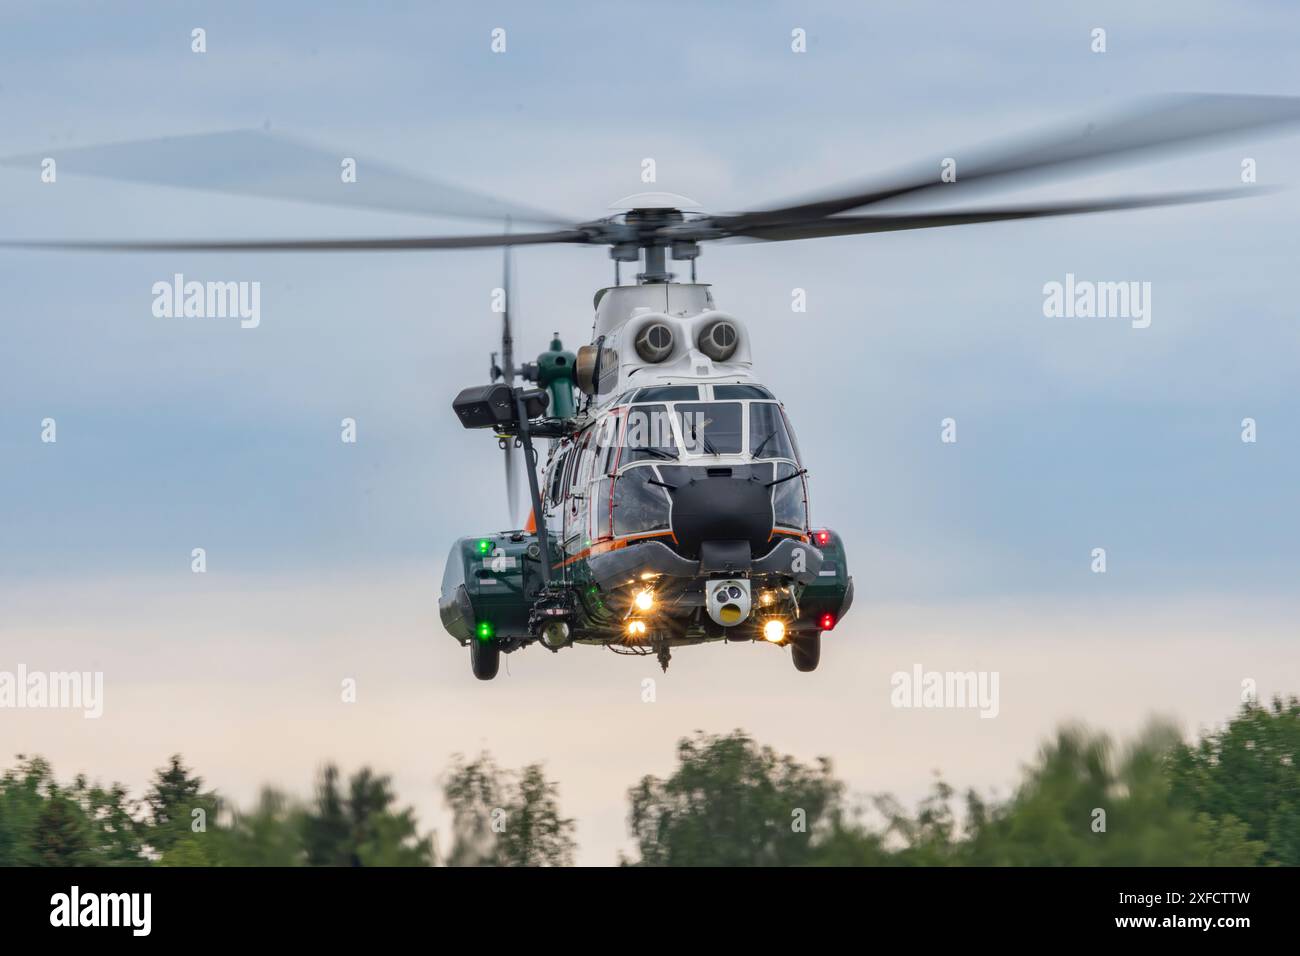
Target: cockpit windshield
{"x": 648, "y": 435}
{"x": 676, "y": 431}
{"x": 711, "y": 428}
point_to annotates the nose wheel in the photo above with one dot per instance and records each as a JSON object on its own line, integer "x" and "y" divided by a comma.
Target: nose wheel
{"x": 806, "y": 651}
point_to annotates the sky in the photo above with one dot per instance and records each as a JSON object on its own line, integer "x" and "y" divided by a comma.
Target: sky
{"x": 324, "y": 558}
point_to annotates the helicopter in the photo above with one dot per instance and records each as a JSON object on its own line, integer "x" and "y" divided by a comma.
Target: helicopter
{"x": 671, "y": 507}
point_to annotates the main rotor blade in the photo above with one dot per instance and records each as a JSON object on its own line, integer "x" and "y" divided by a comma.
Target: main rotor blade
{"x": 858, "y": 225}
{"x": 258, "y": 163}
{"x": 507, "y": 338}
{"x": 1152, "y": 125}
{"x": 508, "y": 375}
{"x": 302, "y": 245}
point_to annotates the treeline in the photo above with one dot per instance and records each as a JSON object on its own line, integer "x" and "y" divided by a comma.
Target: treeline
{"x": 1231, "y": 797}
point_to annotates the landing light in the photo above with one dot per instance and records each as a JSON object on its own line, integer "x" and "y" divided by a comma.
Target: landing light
{"x": 635, "y": 628}
{"x": 774, "y": 630}
{"x": 645, "y": 600}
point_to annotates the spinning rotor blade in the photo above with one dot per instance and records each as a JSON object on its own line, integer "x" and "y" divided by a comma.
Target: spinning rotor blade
{"x": 1157, "y": 124}
{"x": 289, "y": 170}
{"x": 257, "y": 163}
{"x": 305, "y": 245}
{"x": 507, "y": 339}
{"x": 858, "y": 225}
{"x": 508, "y": 375}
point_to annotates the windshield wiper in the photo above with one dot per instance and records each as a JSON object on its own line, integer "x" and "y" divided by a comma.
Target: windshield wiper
{"x": 801, "y": 471}
{"x": 661, "y": 453}
{"x": 763, "y": 443}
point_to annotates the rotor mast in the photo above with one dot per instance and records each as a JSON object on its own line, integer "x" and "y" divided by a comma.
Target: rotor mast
{"x": 647, "y": 236}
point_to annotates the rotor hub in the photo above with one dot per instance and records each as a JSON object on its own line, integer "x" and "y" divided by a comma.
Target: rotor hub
{"x": 643, "y": 231}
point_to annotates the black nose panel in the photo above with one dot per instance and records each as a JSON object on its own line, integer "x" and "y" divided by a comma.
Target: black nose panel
{"x": 717, "y": 508}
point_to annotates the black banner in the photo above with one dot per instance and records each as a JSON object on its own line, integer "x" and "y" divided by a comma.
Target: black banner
{"x": 292, "y": 905}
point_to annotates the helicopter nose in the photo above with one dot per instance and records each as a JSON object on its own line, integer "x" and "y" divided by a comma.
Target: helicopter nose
{"x": 719, "y": 507}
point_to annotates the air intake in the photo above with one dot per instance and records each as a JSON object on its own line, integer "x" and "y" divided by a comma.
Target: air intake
{"x": 654, "y": 343}
{"x": 718, "y": 340}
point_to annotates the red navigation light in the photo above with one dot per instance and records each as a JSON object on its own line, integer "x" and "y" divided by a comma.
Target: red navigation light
{"x": 826, "y": 622}
{"x": 821, "y": 538}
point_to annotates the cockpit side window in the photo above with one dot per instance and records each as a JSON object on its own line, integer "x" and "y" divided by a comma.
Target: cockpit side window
{"x": 581, "y": 470}
{"x": 768, "y": 435}
{"x": 607, "y": 444}
{"x": 794, "y": 442}
{"x": 557, "y": 477}
{"x": 639, "y": 506}
{"x": 789, "y": 498}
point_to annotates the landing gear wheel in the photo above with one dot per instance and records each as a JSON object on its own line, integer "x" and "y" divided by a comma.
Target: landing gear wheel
{"x": 484, "y": 659}
{"x": 806, "y": 651}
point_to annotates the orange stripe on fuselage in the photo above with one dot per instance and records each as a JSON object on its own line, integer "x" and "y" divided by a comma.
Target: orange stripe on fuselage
{"x": 600, "y": 547}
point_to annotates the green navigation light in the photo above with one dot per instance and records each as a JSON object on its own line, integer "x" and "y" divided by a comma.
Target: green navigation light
{"x": 485, "y": 630}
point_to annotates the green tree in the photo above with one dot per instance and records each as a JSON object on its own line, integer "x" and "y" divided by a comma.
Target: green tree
{"x": 42, "y": 823}
{"x": 1086, "y": 802}
{"x": 535, "y": 834}
{"x": 731, "y": 802}
{"x": 361, "y": 828}
{"x": 505, "y": 819}
{"x": 60, "y": 837}
{"x": 21, "y": 803}
{"x": 1230, "y": 798}
{"x": 192, "y": 849}
{"x": 171, "y": 804}
{"x": 270, "y": 834}
{"x": 1247, "y": 775}
{"x": 326, "y": 834}
{"x": 383, "y": 836}
{"x": 473, "y": 791}
{"x": 117, "y": 835}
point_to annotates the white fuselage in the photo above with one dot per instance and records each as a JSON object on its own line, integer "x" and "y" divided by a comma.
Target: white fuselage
{"x": 655, "y": 419}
